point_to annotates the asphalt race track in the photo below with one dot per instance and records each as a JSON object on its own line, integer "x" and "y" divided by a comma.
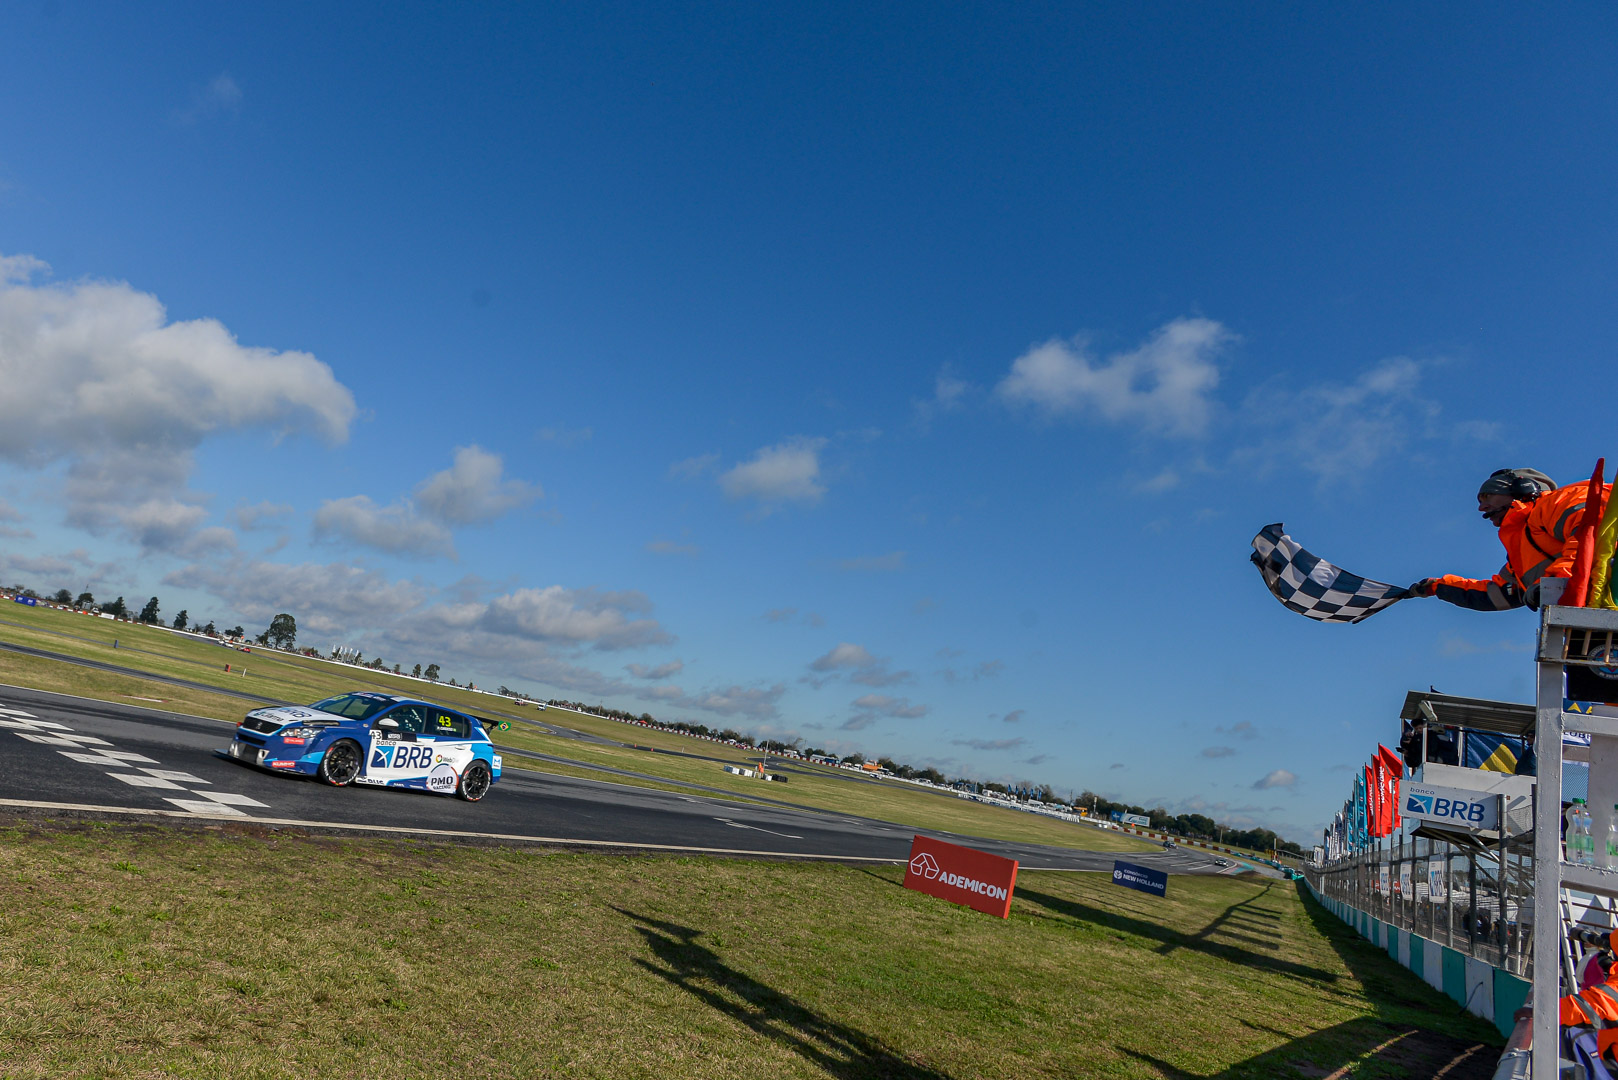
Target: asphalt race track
{"x": 76, "y": 755}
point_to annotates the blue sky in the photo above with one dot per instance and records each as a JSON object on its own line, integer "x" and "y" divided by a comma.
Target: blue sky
{"x": 911, "y": 381}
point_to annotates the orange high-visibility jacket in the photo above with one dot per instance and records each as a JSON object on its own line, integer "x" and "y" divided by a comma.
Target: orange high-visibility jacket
{"x": 1596, "y": 1006}
{"x": 1540, "y": 538}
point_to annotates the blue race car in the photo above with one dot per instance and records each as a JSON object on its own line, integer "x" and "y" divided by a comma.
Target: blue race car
{"x": 376, "y": 739}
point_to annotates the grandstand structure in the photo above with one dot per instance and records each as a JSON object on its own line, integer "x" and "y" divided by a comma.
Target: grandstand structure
{"x": 1491, "y": 912}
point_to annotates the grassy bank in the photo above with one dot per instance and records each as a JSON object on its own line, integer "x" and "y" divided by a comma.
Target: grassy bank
{"x": 131, "y": 952}
{"x": 281, "y": 676}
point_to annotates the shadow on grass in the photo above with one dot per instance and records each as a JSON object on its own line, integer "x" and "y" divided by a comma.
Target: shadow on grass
{"x": 1364, "y": 1047}
{"x": 840, "y": 1050}
{"x": 1169, "y": 939}
{"x": 1414, "y": 1031}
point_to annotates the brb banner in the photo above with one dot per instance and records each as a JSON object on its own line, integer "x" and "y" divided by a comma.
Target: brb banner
{"x": 961, "y": 875}
{"x": 1470, "y": 810}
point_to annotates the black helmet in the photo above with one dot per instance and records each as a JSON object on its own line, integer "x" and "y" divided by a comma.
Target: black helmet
{"x": 1518, "y": 483}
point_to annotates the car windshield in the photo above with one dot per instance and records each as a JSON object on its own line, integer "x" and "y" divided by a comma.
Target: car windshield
{"x": 354, "y": 706}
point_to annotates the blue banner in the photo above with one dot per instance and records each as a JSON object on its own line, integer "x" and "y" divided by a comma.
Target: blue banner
{"x": 29, "y": 600}
{"x": 1144, "y": 878}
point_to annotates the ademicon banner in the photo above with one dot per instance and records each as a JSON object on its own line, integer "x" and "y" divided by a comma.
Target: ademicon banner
{"x": 961, "y": 875}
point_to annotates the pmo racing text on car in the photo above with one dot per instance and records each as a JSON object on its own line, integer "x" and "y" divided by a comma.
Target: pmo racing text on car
{"x": 376, "y": 739}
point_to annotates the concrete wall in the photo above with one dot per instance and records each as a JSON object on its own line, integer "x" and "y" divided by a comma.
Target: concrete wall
{"x": 1479, "y": 988}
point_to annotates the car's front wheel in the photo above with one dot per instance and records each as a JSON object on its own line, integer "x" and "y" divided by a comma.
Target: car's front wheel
{"x": 341, "y": 765}
{"x": 475, "y": 782}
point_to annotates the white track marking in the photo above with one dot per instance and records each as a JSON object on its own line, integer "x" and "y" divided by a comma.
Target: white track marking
{"x": 62, "y": 740}
{"x": 205, "y": 806}
{"x": 85, "y": 751}
{"x": 93, "y": 759}
{"x": 175, "y": 774}
{"x": 232, "y": 798}
{"x": 755, "y": 828}
{"x": 139, "y": 780}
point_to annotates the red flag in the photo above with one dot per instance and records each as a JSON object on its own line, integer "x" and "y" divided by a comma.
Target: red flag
{"x": 1578, "y": 582}
{"x": 1392, "y": 769}
{"x": 1373, "y": 801}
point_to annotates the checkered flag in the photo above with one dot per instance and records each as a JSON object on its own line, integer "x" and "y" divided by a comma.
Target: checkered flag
{"x": 1314, "y": 587}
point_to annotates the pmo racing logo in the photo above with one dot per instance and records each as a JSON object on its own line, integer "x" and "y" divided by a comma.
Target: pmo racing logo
{"x": 924, "y": 865}
{"x": 1438, "y": 808}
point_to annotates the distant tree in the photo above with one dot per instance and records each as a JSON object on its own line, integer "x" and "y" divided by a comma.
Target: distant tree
{"x": 181, "y": 620}
{"x": 931, "y": 775}
{"x": 61, "y": 596}
{"x": 30, "y": 592}
{"x": 148, "y": 614}
{"x": 263, "y": 639}
{"x": 503, "y": 691}
{"x": 646, "y": 718}
{"x": 85, "y": 600}
{"x": 432, "y": 673}
{"x": 396, "y": 669}
{"x": 888, "y": 764}
{"x": 234, "y": 631}
{"x": 209, "y": 630}
{"x": 854, "y": 759}
{"x": 415, "y": 672}
{"x": 283, "y": 631}
{"x": 115, "y": 608}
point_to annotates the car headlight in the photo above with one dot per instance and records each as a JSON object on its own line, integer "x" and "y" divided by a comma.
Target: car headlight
{"x": 299, "y": 734}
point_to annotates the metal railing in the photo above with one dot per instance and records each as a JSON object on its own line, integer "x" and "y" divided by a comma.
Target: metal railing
{"x": 1480, "y": 911}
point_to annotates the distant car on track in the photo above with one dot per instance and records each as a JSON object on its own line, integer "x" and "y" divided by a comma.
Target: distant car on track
{"x": 379, "y": 740}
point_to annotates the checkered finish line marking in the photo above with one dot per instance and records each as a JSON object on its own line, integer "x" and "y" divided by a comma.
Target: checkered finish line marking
{"x": 136, "y": 770}
{"x": 1313, "y": 587}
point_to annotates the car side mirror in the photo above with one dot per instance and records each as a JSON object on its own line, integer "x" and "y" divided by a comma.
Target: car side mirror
{"x": 388, "y": 722}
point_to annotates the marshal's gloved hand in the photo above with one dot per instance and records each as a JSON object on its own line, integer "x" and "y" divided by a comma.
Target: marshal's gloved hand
{"x": 1425, "y": 587}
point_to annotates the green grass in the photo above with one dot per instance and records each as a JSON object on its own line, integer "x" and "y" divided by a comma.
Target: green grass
{"x": 135, "y": 951}
{"x": 288, "y": 677}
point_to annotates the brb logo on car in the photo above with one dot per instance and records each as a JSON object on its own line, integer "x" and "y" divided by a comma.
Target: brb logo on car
{"x": 924, "y": 865}
{"x": 401, "y": 756}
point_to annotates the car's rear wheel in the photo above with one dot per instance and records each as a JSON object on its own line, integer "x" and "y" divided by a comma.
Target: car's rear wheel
{"x": 341, "y": 765}
{"x": 475, "y": 782}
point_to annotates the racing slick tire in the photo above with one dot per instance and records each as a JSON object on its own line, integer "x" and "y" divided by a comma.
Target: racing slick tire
{"x": 341, "y": 765}
{"x": 475, "y": 782}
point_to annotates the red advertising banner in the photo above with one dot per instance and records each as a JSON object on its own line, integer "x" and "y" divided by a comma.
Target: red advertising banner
{"x": 961, "y": 875}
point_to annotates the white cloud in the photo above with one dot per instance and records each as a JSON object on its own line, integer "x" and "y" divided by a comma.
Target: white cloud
{"x": 1217, "y": 751}
{"x": 949, "y": 395}
{"x": 890, "y": 706}
{"x": 260, "y": 514}
{"x": 661, "y": 671}
{"x": 1164, "y": 386}
{"x": 1014, "y": 716}
{"x": 865, "y": 669}
{"x": 396, "y": 529}
{"x": 874, "y": 564}
{"x": 786, "y": 472}
{"x": 9, "y": 512}
{"x": 1280, "y": 778}
{"x": 93, "y": 374}
{"x": 560, "y": 616}
{"x": 328, "y": 598}
{"x": 753, "y": 702}
{"x": 693, "y": 467}
{"x": 472, "y": 489}
{"x": 845, "y": 655}
{"x": 990, "y": 744}
{"x": 780, "y": 614}
{"x": 1340, "y": 431}
{"x": 1165, "y": 480}
{"x": 220, "y": 97}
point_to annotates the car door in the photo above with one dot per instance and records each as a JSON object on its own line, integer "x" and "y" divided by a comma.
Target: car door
{"x": 451, "y": 736}
{"x": 398, "y": 753}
